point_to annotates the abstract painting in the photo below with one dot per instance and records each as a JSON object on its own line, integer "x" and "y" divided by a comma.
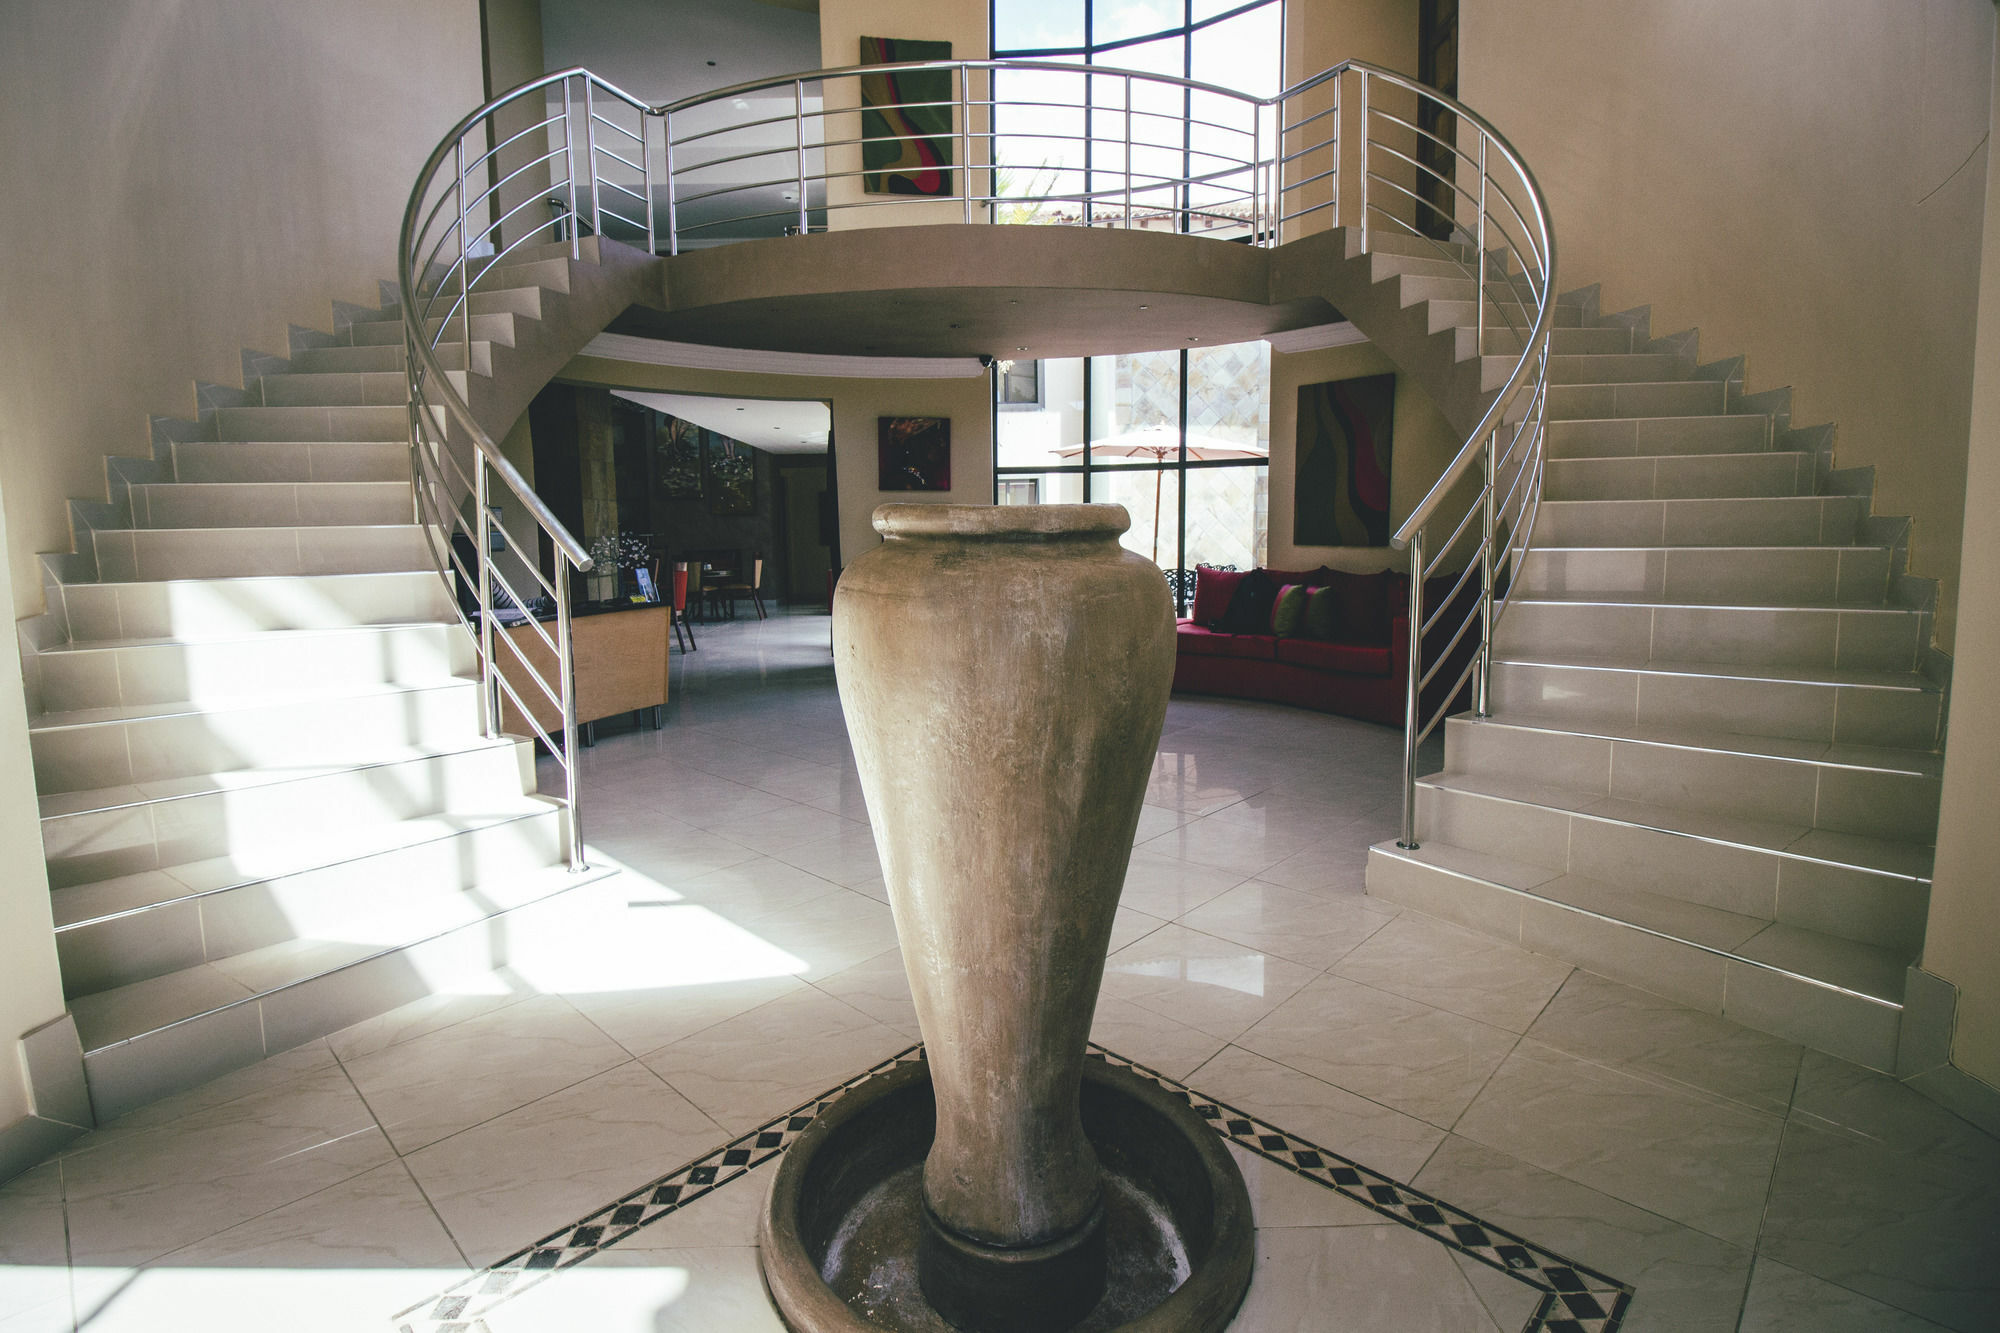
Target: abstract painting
{"x": 677, "y": 458}
{"x": 914, "y": 453}
{"x": 1346, "y": 432}
{"x": 731, "y": 475}
{"x": 905, "y": 144}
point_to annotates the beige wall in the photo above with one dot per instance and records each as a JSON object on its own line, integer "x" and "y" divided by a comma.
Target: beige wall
{"x": 1802, "y": 179}
{"x": 1423, "y": 444}
{"x": 856, "y": 405}
{"x": 1964, "y": 932}
{"x": 185, "y": 180}
{"x": 30, "y": 983}
{"x": 842, "y": 25}
{"x": 1319, "y": 34}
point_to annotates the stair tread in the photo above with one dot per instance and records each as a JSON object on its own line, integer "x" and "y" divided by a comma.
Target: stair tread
{"x": 236, "y": 636}
{"x": 1859, "y": 677}
{"x": 237, "y": 580}
{"x": 106, "y": 1018}
{"x": 99, "y": 900}
{"x": 88, "y": 717}
{"x": 1924, "y": 763}
{"x": 56, "y": 805}
{"x": 1689, "y": 499}
{"x": 1886, "y": 856}
{"x": 1828, "y": 960}
{"x": 1629, "y": 599}
{"x": 1682, "y": 458}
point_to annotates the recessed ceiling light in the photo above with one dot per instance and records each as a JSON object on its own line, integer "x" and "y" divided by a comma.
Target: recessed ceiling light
{"x": 1144, "y": 307}
{"x": 1020, "y": 349}
{"x": 1193, "y": 339}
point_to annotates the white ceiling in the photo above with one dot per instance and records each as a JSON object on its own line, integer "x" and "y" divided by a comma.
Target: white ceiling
{"x": 663, "y": 50}
{"x": 775, "y": 426}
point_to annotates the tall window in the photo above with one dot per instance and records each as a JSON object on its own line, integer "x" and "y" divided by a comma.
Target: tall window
{"x": 1180, "y": 437}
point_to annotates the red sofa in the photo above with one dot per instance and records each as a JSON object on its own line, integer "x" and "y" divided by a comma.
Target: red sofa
{"x": 1363, "y": 678}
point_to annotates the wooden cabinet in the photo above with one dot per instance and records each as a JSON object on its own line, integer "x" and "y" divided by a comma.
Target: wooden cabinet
{"x": 620, "y": 660}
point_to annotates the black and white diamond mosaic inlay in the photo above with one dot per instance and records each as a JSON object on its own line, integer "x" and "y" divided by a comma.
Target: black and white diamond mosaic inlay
{"x": 1574, "y": 1298}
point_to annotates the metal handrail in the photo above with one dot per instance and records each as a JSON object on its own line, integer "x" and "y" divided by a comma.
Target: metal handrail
{"x": 1442, "y": 175}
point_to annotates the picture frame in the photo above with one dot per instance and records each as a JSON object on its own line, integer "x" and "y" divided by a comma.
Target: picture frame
{"x": 1346, "y": 444}
{"x": 913, "y": 453}
{"x": 729, "y": 475}
{"x": 647, "y": 587}
{"x": 677, "y": 458}
{"x": 906, "y": 120}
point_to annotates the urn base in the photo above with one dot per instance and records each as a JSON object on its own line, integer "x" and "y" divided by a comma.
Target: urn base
{"x": 846, "y": 1222}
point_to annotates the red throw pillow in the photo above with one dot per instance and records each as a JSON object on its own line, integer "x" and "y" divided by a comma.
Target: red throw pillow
{"x": 1364, "y": 606}
{"x": 1212, "y": 590}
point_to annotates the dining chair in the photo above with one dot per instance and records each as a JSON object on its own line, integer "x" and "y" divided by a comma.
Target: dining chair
{"x": 729, "y": 592}
{"x": 677, "y": 608}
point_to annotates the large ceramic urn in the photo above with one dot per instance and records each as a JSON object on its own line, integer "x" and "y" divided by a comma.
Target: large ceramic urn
{"x": 1005, "y": 672}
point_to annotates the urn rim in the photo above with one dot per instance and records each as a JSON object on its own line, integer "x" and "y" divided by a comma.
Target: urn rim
{"x": 1001, "y": 522}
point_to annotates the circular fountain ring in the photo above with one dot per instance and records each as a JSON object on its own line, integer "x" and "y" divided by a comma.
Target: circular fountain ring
{"x": 841, "y": 1230}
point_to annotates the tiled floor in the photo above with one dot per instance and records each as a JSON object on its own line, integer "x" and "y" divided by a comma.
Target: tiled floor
{"x": 746, "y": 961}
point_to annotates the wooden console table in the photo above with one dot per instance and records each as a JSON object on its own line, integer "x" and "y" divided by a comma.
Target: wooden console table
{"x": 619, "y": 654}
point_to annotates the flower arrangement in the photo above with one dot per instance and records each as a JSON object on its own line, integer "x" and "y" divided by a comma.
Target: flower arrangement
{"x": 626, "y": 550}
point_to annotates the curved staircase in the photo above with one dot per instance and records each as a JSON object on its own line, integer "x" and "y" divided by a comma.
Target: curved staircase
{"x": 268, "y": 805}
{"x": 1711, "y": 764}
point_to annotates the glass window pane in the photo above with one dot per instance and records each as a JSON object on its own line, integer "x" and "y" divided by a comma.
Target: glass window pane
{"x": 1228, "y": 516}
{"x": 1229, "y": 399}
{"x": 1152, "y": 497}
{"x": 1044, "y": 430}
{"x": 1041, "y": 488}
{"x": 1135, "y": 408}
{"x": 1115, "y": 20}
{"x": 1245, "y": 53}
{"x": 1039, "y": 145}
{"x": 1037, "y": 25}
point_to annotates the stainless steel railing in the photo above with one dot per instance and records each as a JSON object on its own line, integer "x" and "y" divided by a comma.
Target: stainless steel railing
{"x": 1356, "y": 147}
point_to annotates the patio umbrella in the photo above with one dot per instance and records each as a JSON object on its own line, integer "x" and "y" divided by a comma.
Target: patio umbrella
{"x": 1160, "y": 443}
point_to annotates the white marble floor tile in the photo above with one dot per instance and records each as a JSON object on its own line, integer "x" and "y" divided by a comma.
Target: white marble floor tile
{"x": 846, "y": 856}
{"x": 1233, "y": 846}
{"x": 1784, "y": 1300}
{"x": 1687, "y": 1281}
{"x": 643, "y": 1019}
{"x": 1200, "y": 981}
{"x": 34, "y": 1254}
{"x": 879, "y": 988}
{"x": 1307, "y": 929}
{"x": 144, "y": 1195}
{"x": 512, "y": 1180}
{"x": 1166, "y": 886}
{"x": 1312, "y": 1279}
{"x": 727, "y": 1216}
{"x": 1457, "y": 970}
{"x": 1157, "y": 819}
{"x": 775, "y": 830}
{"x": 762, "y": 1063}
{"x": 1387, "y": 1048}
{"x": 339, "y": 1259}
{"x": 1367, "y": 1132}
{"x": 760, "y": 887}
{"x": 828, "y": 934}
{"x": 1648, "y": 1035}
{"x": 435, "y": 1085}
{"x": 1129, "y": 926}
{"x": 1703, "y": 1162}
{"x": 1326, "y": 867}
{"x": 648, "y": 1291}
{"x": 1284, "y": 1198}
{"x": 433, "y": 1012}
{"x": 683, "y": 856}
{"x": 1149, "y": 1038}
{"x": 265, "y": 1076}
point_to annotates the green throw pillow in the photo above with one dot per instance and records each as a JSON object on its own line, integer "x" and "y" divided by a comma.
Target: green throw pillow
{"x": 1289, "y": 610}
{"x": 1322, "y": 614}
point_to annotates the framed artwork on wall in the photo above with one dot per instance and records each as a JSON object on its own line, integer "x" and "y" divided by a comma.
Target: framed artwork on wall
{"x": 914, "y": 453}
{"x": 729, "y": 475}
{"x": 1346, "y": 435}
{"x": 906, "y": 145}
{"x": 677, "y": 458}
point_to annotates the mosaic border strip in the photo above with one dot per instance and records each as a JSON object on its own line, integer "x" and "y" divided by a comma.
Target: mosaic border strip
{"x": 1575, "y": 1298}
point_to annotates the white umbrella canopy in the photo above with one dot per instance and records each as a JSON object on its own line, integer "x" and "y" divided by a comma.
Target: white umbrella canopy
{"x": 1160, "y": 443}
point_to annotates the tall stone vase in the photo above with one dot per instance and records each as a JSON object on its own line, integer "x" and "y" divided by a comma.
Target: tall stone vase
{"x": 1005, "y": 673}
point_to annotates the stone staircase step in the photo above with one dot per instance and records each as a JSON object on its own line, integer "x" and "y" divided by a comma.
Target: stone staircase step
{"x": 489, "y": 328}
{"x": 1448, "y": 314}
{"x": 1722, "y": 575}
{"x": 1384, "y": 241}
{"x": 1679, "y": 476}
{"x": 1670, "y": 398}
{"x": 126, "y": 555}
{"x": 371, "y": 358}
{"x": 264, "y": 664}
{"x": 1871, "y": 791}
{"x": 1831, "y": 994}
{"x": 235, "y": 461}
{"x": 1787, "y": 520}
{"x": 1857, "y": 707}
{"x": 1598, "y": 340}
{"x": 204, "y": 607}
{"x": 1627, "y": 436}
{"x": 1617, "y": 368}
{"x": 390, "y": 422}
{"x": 102, "y": 833}
{"x": 375, "y": 388}
{"x": 115, "y": 932}
{"x": 87, "y": 749}
{"x": 157, "y": 1036}
{"x": 1879, "y": 638}
{"x": 270, "y": 504}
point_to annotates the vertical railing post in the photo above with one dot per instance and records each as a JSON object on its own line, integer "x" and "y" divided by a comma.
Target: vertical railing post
{"x": 1364, "y": 161}
{"x": 566, "y": 676}
{"x": 799, "y": 145}
{"x": 965, "y": 133}
{"x": 1128, "y": 153}
{"x": 1339, "y": 82}
{"x": 489, "y": 703}
{"x": 1412, "y": 707}
{"x": 464, "y": 257}
{"x": 1479, "y": 245}
{"x": 1256, "y": 171}
{"x": 1482, "y": 676}
{"x": 590, "y": 147}
{"x": 569, "y": 168}
{"x": 673, "y": 215}
{"x": 646, "y": 174}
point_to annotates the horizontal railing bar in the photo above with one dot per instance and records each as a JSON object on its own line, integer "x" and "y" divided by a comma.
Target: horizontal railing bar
{"x": 527, "y": 714}
{"x": 602, "y": 151}
{"x": 500, "y": 147}
{"x": 633, "y": 135}
{"x": 1445, "y": 656}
